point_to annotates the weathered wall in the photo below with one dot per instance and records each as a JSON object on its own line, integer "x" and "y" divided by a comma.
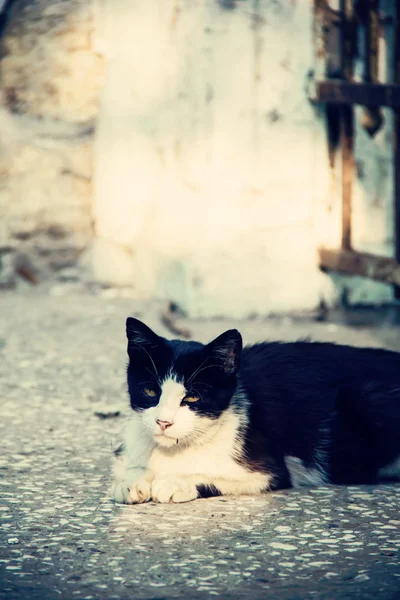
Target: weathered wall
{"x": 206, "y": 152}
{"x": 211, "y": 180}
{"x": 49, "y": 82}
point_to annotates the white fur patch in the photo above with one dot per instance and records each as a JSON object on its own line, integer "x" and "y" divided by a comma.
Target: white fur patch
{"x": 204, "y": 455}
{"x": 302, "y": 476}
{"x": 211, "y": 461}
{"x": 166, "y": 489}
{"x": 172, "y": 393}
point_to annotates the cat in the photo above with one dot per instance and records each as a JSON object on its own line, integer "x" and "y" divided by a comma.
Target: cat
{"x": 219, "y": 419}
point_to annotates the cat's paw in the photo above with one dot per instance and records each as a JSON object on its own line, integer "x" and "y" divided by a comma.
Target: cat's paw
{"x": 173, "y": 490}
{"x": 135, "y": 492}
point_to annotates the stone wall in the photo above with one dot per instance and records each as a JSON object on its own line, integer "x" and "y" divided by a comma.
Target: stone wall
{"x": 49, "y": 81}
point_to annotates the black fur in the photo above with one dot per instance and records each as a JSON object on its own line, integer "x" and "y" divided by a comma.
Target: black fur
{"x": 207, "y": 491}
{"x": 332, "y": 406}
{"x": 119, "y": 450}
{"x": 336, "y": 408}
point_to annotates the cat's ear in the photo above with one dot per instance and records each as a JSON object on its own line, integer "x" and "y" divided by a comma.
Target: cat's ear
{"x": 139, "y": 335}
{"x": 226, "y": 350}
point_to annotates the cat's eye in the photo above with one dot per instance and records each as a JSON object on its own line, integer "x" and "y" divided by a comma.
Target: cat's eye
{"x": 150, "y": 392}
{"x": 191, "y": 399}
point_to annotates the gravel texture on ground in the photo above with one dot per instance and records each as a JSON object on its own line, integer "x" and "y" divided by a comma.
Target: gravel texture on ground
{"x": 63, "y": 402}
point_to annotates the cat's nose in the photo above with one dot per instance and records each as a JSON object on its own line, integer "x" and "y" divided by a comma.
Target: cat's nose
{"x": 163, "y": 425}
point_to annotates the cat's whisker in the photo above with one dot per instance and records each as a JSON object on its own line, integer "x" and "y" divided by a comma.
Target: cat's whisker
{"x": 174, "y": 361}
{"x": 153, "y": 377}
{"x": 200, "y": 370}
{"x": 154, "y": 366}
{"x": 197, "y": 370}
{"x": 207, "y": 385}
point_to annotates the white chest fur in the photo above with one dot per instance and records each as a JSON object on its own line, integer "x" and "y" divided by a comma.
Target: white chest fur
{"x": 214, "y": 458}
{"x": 211, "y": 462}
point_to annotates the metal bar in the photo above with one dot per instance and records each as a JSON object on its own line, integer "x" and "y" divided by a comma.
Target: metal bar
{"x": 332, "y": 33}
{"x": 348, "y": 38}
{"x": 347, "y": 149}
{"x": 367, "y": 94}
{"x": 343, "y": 31}
{"x": 372, "y": 118}
{"x": 346, "y": 124}
{"x": 396, "y": 142}
{"x": 371, "y": 42}
{"x": 379, "y": 268}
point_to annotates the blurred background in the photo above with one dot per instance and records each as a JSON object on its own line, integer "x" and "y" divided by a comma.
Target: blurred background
{"x": 235, "y": 157}
{"x": 194, "y": 163}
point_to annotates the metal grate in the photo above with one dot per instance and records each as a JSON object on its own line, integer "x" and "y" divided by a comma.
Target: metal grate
{"x": 337, "y": 31}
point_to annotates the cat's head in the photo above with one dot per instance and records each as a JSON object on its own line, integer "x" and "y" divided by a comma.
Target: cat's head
{"x": 178, "y": 388}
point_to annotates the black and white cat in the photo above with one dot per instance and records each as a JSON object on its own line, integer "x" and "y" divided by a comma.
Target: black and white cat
{"x": 218, "y": 420}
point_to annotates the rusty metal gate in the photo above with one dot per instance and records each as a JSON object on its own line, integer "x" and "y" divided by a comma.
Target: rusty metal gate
{"x": 337, "y": 34}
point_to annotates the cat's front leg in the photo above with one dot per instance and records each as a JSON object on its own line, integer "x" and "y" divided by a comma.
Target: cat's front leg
{"x": 134, "y": 487}
{"x": 132, "y": 477}
{"x": 173, "y": 489}
{"x": 132, "y": 481}
{"x": 186, "y": 488}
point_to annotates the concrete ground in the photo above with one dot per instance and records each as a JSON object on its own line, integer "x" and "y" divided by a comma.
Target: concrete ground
{"x": 62, "y": 360}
